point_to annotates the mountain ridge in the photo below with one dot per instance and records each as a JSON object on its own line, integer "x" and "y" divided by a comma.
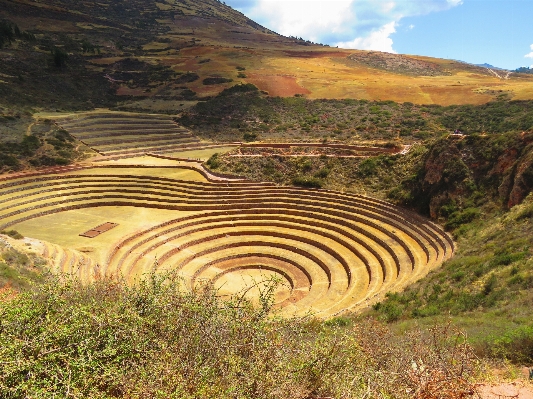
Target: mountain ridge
{"x": 222, "y": 47}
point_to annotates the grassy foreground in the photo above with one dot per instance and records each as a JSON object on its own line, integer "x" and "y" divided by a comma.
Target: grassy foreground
{"x": 485, "y": 289}
{"x": 154, "y": 340}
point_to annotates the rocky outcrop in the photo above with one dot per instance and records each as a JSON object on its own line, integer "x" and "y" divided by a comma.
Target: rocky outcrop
{"x": 457, "y": 171}
{"x": 523, "y": 180}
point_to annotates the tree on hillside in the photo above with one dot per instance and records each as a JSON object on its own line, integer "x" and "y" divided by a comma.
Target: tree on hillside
{"x": 524, "y": 70}
{"x": 60, "y": 57}
{"x": 7, "y": 33}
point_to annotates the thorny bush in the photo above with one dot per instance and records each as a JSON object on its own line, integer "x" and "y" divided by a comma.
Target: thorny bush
{"x": 157, "y": 339}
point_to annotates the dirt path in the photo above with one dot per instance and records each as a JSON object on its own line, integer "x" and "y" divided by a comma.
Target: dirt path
{"x": 519, "y": 389}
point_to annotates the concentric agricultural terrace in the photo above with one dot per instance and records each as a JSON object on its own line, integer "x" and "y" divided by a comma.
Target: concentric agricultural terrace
{"x": 331, "y": 251}
{"x": 121, "y": 134}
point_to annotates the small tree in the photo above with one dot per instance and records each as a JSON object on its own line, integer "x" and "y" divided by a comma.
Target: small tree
{"x": 7, "y": 33}
{"x": 60, "y": 57}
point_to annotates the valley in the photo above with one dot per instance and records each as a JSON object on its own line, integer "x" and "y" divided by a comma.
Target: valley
{"x": 195, "y": 206}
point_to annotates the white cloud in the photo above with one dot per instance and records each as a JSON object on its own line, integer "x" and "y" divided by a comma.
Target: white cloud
{"x": 530, "y": 55}
{"x": 377, "y": 40}
{"x": 360, "y": 24}
{"x": 307, "y": 19}
{"x": 411, "y": 27}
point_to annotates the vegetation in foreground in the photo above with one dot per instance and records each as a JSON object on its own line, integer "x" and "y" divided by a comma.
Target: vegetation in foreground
{"x": 155, "y": 339}
{"x": 19, "y": 270}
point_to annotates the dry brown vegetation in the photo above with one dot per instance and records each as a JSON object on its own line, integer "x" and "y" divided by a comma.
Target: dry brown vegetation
{"x": 156, "y": 340}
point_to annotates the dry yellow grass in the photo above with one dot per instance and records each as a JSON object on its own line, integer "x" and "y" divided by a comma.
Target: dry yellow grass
{"x": 324, "y": 73}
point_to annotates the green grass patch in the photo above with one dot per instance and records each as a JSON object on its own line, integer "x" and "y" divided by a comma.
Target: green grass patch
{"x": 307, "y": 182}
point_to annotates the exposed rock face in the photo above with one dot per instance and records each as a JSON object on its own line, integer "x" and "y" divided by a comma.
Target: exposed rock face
{"x": 523, "y": 181}
{"x": 455, "y": 168}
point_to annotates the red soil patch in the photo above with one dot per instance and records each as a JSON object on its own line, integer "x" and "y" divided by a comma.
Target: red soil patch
{"x": 106, "y": 61}
{"x": 191, "y": 65}
{"x": 277, "y": 85}
{"x": 7, "y": 293}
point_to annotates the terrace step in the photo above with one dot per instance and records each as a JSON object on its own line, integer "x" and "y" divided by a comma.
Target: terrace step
{"x": 130, "y": 130}
{"x": 142, "y": 143}
{"x": 334, "y": 252}
{"x": 129, "y": 138}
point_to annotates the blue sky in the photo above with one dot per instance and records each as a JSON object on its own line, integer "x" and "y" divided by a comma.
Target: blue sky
{"x": 498, "y": 32}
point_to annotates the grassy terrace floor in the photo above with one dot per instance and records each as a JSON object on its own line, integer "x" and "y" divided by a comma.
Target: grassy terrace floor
{"x": 331, "y": 252}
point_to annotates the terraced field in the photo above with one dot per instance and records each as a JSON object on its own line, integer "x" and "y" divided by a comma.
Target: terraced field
{"x": 121, "y": 135}
{"x": 330, "y": 251}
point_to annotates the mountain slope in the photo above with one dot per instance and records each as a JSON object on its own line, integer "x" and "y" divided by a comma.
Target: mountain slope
{"x": 186, "y": 50}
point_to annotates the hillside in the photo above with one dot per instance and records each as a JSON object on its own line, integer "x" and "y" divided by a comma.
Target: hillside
{"x": 145, "y": 55}
{"x": 194, "y": 206}
{"x": 243, "y": 109}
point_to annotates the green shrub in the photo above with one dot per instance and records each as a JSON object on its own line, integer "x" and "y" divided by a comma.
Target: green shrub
{"x": 426, "y": 311}
{"x": 391, "y": 311}
{"x": 239, "y": 88}
{"x": 214, "y": 162}
{"x": 368, "y": 167}
{"x": 505, "y": 259}
{"x": 459, "y": 218}
{"x": 307, "y": 182}
{"x": 306, "y": 165}
{"x": 13, "y": 234}
{"x": 490, "y": 284}
{"x": 188, "y": 77}
{"x": 248, "y": 137}
{"x": 322, "y": 173}
{"x": 459, "y": 275}
{"x": 515, "y": 345}
{"x": 338, "y": 322}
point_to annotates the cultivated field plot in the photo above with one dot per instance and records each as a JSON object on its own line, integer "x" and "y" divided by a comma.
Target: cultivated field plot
{"x": 122, "y": 134}
{"x": 331, "y": 252}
